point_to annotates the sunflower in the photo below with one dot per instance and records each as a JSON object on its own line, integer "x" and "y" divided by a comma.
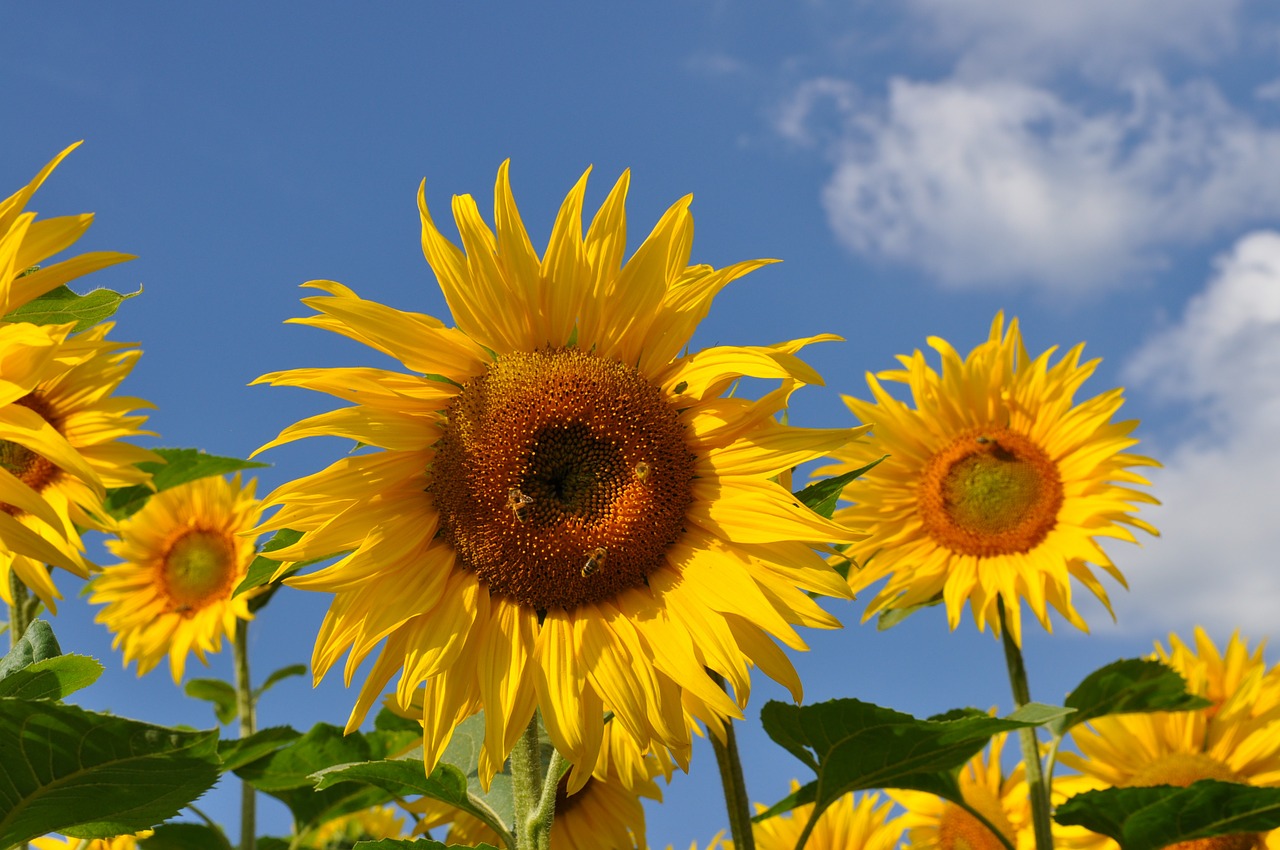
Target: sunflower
{"x": 183, "y": 554}
{"x": 60, "y": 426}
{"x": 850, "y": 823}
{"x": 560, "y": 510}
{"x": 605, "y": 814}
{"x": 933, "y": 823}
{"x": 1235, "y": 739}
{"x": 365, "y": 825}
{"x": 996, "y": 486}
{"x": 120, "y": 842}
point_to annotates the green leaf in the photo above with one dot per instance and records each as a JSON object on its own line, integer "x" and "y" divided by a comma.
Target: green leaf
{"x": 1151, "y": 818}
{"x": 463, "y": 753}
{"x": 262, "y": 568}
{"x": 94, "y": 775}
{"x": 405, "y": 777}
{"x": 51, "y": 678}
{"x": 61, "y": 305}
{"x": 180, "y": 466}
{"x": 854, "y": 745}
{"x": 409, "y": 844}
{"x": 36, "y": 645}
{"x": 218, "y": 692}
{"x": 280, "y": 675}
{"x": 237, "y": 753}
{"x": 270, "y": 842}
{"x": 186, "y": 836}
{"x": 1127, "y": 686}
{"x": 822, "y": 496}
{"x": 891, "y": 617}
{"x": 388, "y": 721}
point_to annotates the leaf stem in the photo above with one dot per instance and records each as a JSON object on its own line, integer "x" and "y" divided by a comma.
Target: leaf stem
{"x": 1027, "y": 736}
{"x": 244, "y": 705}
{"x": 735, "y": 785}
{"x": 526, "y": 784}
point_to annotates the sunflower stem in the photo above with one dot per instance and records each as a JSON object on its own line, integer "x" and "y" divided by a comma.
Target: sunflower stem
{"x": 20, "y": 610}
{"x": 526, "y": 785}
{"x": 735, "y": 785}
{"x": 1040, "y": 816}
{"x": 244, "y": 705}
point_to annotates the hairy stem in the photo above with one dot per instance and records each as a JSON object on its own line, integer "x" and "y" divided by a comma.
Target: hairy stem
{"x": 244, "y": 704}
{"x": 526, "y": 785}
{"x": 1027, "y": 737}
{"x": 735, "y": 785}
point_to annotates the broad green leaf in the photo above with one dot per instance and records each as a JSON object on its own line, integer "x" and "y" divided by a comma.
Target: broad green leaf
{"x": 186, "y": 836}
{"x": 270, "y": 842}
{"x": 262, "y": 568}
{"x": 854, "y": 745}
{"x": 405, "y": 778}
{"x": 218, "y": 692}
{"x": 1127, "y": 686}
{"x": 61, "y": 305}
{"x": 822, "y": 496}
{"x": 239, "y": 752}
{"x": 1152, "y": 818}
{"x": 409, "y": 844}
{"x": 388, "y": 721}
{"x": 51, "y": 678}
{"x": 280, "y": 675}
{"x": 94, "y": 775}
{"x": 463, "y": 753}
{"x": 180, "y": 466}
{"x": 36, "y": 645}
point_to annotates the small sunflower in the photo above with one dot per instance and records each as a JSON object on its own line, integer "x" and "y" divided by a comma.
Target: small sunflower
{"x": 365, "y": 825}
{"x": 120, "y": 842}
{"x": 1236, "y": 739}
{"x": 996, "y": 486}
{"x": 560, "y": 509}
{"x": 605, "y": 814}
{"x": 183, "y": 554}
{"x": 933, "y": 823}
{"x": 61, "y": 429}
{"x": 850, "y": 823}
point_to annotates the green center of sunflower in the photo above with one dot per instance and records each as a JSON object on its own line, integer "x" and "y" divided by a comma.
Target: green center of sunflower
{"x": 990, "y": 492}
{"x": 198, "y": 568}
{"x": 32, "y": 469}
{"x": 562, "y": 478}
{"x": 959, "y": 830}
{"x": 1182, "y": 769}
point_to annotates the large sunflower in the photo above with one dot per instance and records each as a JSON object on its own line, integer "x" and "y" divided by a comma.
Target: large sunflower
{"x": 1235, "y": 739}
{"x": 60, "y": 425}
{"x": 364, "y": 825}
{"x": 996, "y": 487}
{"x": 562, "y": 511}
{"x": 933, "y": 823}
{"x": 852, "y": 822}
{"x": 183, "y": 554}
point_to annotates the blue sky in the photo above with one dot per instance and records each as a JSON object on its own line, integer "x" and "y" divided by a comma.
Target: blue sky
{"x": 1105, "y": 171}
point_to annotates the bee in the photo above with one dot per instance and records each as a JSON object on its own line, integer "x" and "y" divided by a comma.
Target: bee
{"x": 519, "y": 504}
{"x": 594, "y": 560}
{"x": 642, "y": 471}
{"x": 982, "y": 441}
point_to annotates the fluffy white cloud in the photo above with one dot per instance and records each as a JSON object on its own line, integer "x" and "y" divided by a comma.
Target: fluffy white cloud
{"x": 1216, "y": 561}
{"x": 992, "y": 184}
{"x": 1099, "y": 37}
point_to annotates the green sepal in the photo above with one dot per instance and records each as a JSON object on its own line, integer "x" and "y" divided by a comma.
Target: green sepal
{"x": 821, "y": 496}
{"x": 62, "y": 305}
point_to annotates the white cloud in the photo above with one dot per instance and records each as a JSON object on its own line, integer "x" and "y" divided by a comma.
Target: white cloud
{"x": 1216, "y": 561}
{"x": 998, "y": 184}
{"x": 1099, "y": 37}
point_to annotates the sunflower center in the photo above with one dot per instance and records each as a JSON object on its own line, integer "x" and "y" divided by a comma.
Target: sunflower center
{"x": 32, "y": 469}
{"x": 1182, "y": 769}
{"x": 561, "y": 478}
{"x": 959, "y": 830}
{"x": 990, "y": 492}
{"x": 198, "y": 568}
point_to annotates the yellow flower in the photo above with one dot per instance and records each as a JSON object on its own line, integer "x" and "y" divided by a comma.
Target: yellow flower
{"x": 933, "y": 823}
{"x": 605, "y": 814}
{"x": 60, "y": 426}
{"x": 850, "y": 823}
{"x": 1236, "y": 739}
{"x": 996, "y": 487}
{"x": 562, "y": 510}
{"x": 365, "y": 825}
{"x": 120, "y": 842}
{"x": 183, "y": 554}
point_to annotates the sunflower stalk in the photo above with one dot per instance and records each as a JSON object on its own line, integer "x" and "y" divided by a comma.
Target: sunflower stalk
{"x": 1040, "y": 815}
{"x": 533, "y": 824}
{"x": 735, "y": 785}
{"x": 244, "y": 705}
{"x": 22, "y": 610}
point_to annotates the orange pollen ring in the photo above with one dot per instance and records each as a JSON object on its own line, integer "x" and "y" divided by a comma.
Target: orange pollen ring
{"x": 32, "y": 469}
{"x": 198, "y": 567}
{"x": 562, "y": 478}
{"x": 990, "y": 492}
